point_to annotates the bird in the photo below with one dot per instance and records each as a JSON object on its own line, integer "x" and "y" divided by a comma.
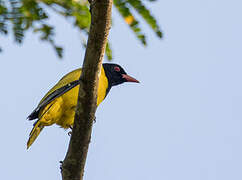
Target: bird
{"x": 59, "y": 104}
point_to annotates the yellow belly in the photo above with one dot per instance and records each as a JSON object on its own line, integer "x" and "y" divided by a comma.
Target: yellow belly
{"x": 61, "y": 111}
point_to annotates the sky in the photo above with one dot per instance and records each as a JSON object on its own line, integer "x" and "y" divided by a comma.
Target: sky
{"x": 183, "y": 121}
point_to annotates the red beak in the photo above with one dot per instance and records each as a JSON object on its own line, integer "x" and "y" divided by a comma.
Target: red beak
{"x": 129, "y": 78}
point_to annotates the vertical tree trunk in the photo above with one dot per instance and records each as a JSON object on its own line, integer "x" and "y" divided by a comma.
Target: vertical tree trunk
{"x": 74, "y": 162}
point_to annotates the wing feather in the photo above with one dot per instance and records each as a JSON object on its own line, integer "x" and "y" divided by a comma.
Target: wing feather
{"x": 57, "y": 93}
{"x": 66, "y": 83}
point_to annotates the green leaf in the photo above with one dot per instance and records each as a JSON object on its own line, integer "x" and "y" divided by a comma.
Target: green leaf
{"x": 108, "y": 52}
{"x": 145, "y": 13}
{"x": 47, "y": 34}
{"x": 124, "y": 10}
{"x": 59, "y": 51}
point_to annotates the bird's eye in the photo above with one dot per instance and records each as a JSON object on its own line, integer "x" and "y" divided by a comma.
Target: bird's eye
{"x": 116, "y": 68}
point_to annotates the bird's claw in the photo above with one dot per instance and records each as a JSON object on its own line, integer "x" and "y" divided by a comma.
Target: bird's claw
{"x": 61, "y": 163}
{"x": 70, "y": 132}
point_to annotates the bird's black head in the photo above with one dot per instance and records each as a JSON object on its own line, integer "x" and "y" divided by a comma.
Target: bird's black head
{"x": 116, "y": 74}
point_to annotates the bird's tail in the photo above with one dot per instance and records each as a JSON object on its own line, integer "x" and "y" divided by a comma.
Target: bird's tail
{"x": 34, "y": 133}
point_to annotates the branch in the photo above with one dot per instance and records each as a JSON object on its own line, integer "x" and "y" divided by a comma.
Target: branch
{"x": 74, "y": 162}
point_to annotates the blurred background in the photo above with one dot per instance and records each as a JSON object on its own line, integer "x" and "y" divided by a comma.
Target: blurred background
{"x": 183, "y": 121}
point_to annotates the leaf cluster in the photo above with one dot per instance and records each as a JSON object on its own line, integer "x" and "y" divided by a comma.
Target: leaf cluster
{"x": 19, "y": 16}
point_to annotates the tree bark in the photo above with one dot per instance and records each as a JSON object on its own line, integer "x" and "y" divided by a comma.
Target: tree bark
{"x": 74, "y": 162}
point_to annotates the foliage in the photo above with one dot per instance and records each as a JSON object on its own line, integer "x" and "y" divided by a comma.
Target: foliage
{"x": 19, "y": 16}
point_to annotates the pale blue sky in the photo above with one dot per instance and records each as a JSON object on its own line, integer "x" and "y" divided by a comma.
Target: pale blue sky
{"x": 182, "y": 122}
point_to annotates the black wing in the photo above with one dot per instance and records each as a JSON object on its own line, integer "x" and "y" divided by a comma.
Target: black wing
{"x": 51, "y": 97}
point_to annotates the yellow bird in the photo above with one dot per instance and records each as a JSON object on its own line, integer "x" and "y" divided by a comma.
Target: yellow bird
{"x": 59, "y": 104}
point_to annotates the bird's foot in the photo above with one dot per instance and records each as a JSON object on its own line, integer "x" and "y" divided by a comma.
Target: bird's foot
{"x": 61, "y": 163}
{"x": 69, "y": 133}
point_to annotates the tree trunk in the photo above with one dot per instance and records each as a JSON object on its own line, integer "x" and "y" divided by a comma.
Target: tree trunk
{"x": 74, "y": 162}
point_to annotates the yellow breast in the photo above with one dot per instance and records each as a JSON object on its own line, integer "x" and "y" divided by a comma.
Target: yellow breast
{"x": 62, "y": 110}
